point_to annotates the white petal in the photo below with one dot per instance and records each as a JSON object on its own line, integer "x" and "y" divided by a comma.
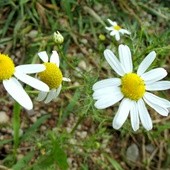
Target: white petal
{"x": 106, "y": 92}
{"x": 30, "y": 68}
{"x": 107, "y": 83}
{"x": 112, "y": 22}
{"x": 144, "y": 115}
{"x": 160, "y": 85}
{"x": 108, "y": 101}
{"x": 43, "y": 55}
{"x": 109, "y": 28}
{"x": 113, "y": 32}
{"x": 15, "y": 89}
{"x": 125, "y": 58}
{"x": 35, "y": 83}
{"x": 113, "y": 62}
{"x": 169, "y": 109}
{"x": 117, "y": 36}
{"x": 123, "y": 31}
{"x": 57, "y": 92}
{"x": 41, "y": 96}
{"x": 50, "y": 96}
{"x": 154, "y": 75}
{"x": 55, "y": 58}
{"x": 156, "y": 100}
{"x": 161, "y": 110}
{"x": 66, "y": 79}
{"x": 122, "y": 113}
{"x": 144, "y": 65}
{"x": 134, "y": 116}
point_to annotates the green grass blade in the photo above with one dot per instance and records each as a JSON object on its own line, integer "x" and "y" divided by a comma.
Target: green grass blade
{"x": 114, "y": 163}
{"x": 8, "y": 22}
{"x": 34, "y": 127}
{"x": 22, "y": 163}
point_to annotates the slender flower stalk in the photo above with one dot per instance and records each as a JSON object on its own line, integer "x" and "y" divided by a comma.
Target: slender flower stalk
{"x": 16, "y": 125}
{"x": 132, "y": 89}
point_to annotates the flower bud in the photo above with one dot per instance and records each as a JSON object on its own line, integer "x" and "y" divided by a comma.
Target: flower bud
{"x": 58, "y": 38}
{"x": 102, "y": 37}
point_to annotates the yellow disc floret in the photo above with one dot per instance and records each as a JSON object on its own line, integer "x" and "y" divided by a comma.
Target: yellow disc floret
{"x": 7, "y": 67}
{"x": 117, "y": 27}
{"x": 52, "y": 75}
{"x": 133, "y": 86}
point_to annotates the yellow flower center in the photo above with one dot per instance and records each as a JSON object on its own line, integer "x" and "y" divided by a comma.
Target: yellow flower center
{"x": 7, "y": 67}
{"x": 133, "y": 87}
{"x": 117, "y": 27}
{"x": 52, "y": 75}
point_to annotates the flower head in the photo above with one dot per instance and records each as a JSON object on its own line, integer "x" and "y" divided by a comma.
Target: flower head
{"x": 116, "y": 30}
{"x": 9, "y": 75}
{"x": 52, "y": 76}
{"x": 58, "y": 38}
{"x": 132, "y": 89}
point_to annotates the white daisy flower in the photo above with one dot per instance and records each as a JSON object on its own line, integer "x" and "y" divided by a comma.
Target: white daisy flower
{"x": 116, "y": 30}
{"x": 132, "y": 89}
{"x": 9, "y": 75}
{"x": 52, "y": 76}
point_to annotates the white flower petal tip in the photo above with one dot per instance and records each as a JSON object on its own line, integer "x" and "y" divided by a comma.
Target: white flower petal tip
{"x": 66, "y": 79}
{"x": 113, "y": 62}
{"x": 134, "y": 116}
{"x": 152, "y": 54}
{"x": 30, "y": 68}
{"x": 127, "y": 32}
{"x": 55, "y": 53}
{"x": 151, "y": 98}
{"x": 117, "y": 36}
{"x": 15, "y": 89}
{"x": 50, "y": 96}
{"x": 41, "y": 96}
{"x": 113, "y": 82}
{"x": 169, "y": 109}
{"x": 161, "y": 110}
{"x": 148, "y": 60}
{"x": 123, "y": 31}
{"x": 144, "y": 115}
{"x": 43, "y": 55}
{"x": 160, "y": 85}
{"x": 122, "y": 114}
{"x": 55, "y": 58}
{"x": 33, "y": 82}
{"x": 154, "y": 75}
{"x": 125, "y": 58}
{"x": 109, "y": 28}
{"x": 112, "y": 22}
{"x": 57, "y": 92}
{"x": 108, "y": 100}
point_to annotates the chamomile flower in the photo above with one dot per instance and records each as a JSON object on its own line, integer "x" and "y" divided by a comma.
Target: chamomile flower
{"x": 52, "y": 76}
{"x": 116, "y": 30}
{"x": 9, "y": 75}
{"x": 132, "y": 89}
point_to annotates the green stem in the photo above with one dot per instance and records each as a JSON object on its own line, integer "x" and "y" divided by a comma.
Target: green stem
{"x": 59, "y": 47}
{"x": 78, "y": 122}
{"x": 16, "y": 125}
